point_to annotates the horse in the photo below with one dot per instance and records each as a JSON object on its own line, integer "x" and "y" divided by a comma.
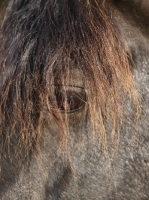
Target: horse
{"x": 74, "y": 97}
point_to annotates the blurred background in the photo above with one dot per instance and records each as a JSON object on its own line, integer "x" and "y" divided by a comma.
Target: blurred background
{"x": 2, "y": 5}
{"x": 2, "y": 8}
{"x": 1, "y": 2}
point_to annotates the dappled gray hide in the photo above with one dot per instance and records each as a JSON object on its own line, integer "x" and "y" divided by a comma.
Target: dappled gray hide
{"x": 74, "y": 100}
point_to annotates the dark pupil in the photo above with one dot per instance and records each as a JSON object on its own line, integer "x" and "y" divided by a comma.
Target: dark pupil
{"x": 69, "y": 101}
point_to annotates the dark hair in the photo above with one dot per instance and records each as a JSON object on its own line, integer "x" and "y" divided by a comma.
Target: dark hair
{"x": 42, "y": 41}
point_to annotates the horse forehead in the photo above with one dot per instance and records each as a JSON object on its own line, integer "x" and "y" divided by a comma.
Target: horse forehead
{"x": 75, "y": 78}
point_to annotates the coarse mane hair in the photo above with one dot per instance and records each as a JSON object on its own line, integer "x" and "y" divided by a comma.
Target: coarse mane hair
{"x": 41, "y": 43}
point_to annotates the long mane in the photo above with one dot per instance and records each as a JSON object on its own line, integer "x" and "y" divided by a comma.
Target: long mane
{"x": 42, "y": 41}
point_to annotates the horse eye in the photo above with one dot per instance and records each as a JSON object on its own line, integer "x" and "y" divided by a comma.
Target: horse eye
{"x": 70, "y": 101}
